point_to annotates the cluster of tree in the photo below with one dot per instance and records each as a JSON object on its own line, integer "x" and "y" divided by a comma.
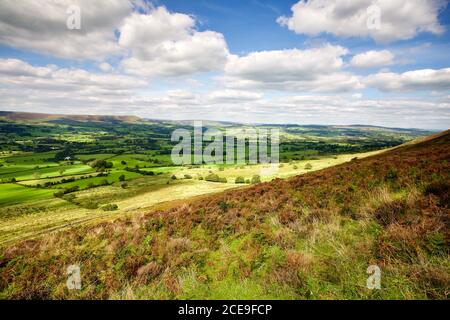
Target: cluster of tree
{"x": 255, "y": 179}
{"x": 72, "y": 179}
{"x": 212, "y": 177}
{"x": 137, "y": 170}
{"x": 64, "y": 154}
{"x": 101, "y": 165}
{"x": 63, "y": 192}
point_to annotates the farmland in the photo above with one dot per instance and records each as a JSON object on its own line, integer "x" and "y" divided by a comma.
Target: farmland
{"x": 60, "y": 171}
{"x": 310, "y": 236}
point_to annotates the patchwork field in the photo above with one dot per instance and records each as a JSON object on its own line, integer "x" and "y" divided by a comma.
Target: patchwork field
{"x": 168, "y": 184}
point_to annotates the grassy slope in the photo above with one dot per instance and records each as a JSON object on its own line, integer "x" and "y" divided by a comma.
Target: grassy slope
{"x": 311, "y": 236}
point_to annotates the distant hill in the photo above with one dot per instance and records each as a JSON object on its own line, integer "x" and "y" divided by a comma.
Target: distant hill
{"x": 309, "y": 237}
{"x": 25, "y": 116}
{"x": 43, "y": 117}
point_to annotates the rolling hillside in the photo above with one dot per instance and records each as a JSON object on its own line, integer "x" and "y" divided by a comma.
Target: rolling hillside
{"x": 29, "y": 117}
{"x": 308, "y": 237}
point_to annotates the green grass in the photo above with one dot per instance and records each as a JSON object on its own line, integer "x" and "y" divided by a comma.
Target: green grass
{"x": 141, "y": 160}
{"x": 97, "y": 156}
{"x": 43, "y": 173}
{"x": 12, "y": 194}
{"x": 113, "y": 177}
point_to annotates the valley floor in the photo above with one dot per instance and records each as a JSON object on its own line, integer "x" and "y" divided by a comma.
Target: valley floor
{"x": 39, "y": 212}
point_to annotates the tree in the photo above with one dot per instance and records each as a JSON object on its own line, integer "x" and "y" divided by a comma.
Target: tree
{"x": 101, "y": 165}
{"x": 61, "y": 155}
{"x": 308, "y": 166}
{"x": 122, "y": 177}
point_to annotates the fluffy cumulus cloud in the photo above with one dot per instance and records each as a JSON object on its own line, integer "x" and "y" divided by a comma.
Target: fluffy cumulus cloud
{"x": 131, "y": 49}
{"x": 371, "y": 59}
{"x": 24, "y": 87}
{"x": 316, "y": 69}
{"x": 41, "y": 26}
{"x": 154, "y": 41}
{"x": 426, "y": 79}
{"x": 399, "y": 19}
{"x": 162, "y": 43}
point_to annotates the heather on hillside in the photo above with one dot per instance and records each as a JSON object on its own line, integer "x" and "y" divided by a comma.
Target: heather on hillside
{"x": 307, "y": 237}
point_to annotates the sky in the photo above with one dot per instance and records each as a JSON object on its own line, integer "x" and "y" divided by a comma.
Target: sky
{"x": 373, "y": 62}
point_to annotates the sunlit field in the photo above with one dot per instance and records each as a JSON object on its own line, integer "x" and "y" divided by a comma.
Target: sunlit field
{"x": 130, "y": 191}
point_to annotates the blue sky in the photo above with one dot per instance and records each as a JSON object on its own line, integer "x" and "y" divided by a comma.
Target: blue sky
{"x": 254, "y": 61}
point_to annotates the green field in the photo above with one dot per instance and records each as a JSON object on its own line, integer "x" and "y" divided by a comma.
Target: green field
{"x": 14, "y": 194}
{"x": 55, "y": 173}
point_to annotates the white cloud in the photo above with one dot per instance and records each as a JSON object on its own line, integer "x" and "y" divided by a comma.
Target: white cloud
{"x": 105, "y": 67}
{"x": 154, "y": 41}
{"x": 425, "y": 79}
{"x": 166, "y": 44}
{"x": 41, "y": 26}
{"x": 24, "y": 87}
{"x": 400, "y": 19}
{"x": 316, "y": 69}
{"x": 18, "y": 75}
{"x": 228, "y": 95}
{"x": 372, "y": 59}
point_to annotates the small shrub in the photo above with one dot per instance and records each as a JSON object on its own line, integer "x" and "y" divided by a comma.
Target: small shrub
{"x": 69, "y": 197}
{"x": 390, "y": 212}
{"x": 441, "y": 190}
{"x": 224, "y": 206}
{"x": 435, "y": 243}
{"x": 391, "y": 175}
{"x": 308, "y": 166}
{"x": 110, "y": 207}
{"x": 239, "y": 180}
{"x": 256, "y": 179}
{"x": 212, "y": 177}
{"x": 91, "y": 205}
